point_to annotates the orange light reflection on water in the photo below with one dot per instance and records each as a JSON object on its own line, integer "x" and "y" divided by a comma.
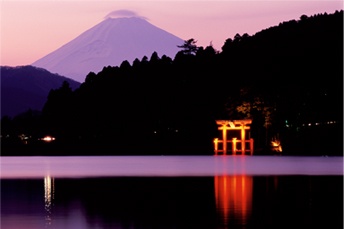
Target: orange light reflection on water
{"x": 233, "y": 195}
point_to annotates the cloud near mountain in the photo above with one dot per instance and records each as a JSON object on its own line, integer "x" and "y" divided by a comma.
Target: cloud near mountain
{"x": 123, "y": 13}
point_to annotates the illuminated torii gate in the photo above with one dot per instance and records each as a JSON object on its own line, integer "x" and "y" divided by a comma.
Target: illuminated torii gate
{"x": 226, "y": 125}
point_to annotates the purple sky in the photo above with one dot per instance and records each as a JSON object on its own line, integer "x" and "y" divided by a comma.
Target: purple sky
{"x": 32, "y": 29}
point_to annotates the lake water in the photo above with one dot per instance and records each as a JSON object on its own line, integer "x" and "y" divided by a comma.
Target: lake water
{"x": 171, "y": 192}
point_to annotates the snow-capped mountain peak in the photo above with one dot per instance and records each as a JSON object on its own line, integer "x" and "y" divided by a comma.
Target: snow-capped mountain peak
{"x": 109, "y": 43}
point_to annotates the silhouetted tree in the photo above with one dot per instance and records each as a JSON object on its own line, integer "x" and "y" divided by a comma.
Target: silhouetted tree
{"x": 189, "y": 47}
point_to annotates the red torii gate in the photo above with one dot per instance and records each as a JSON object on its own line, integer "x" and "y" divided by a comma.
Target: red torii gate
{"x": 226, "y": 125}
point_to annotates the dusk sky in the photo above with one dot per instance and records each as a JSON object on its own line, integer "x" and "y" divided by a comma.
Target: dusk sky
{"x": 32, "y": 29}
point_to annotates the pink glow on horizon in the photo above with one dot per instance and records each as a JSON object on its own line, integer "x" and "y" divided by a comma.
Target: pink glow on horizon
{"x": 32, "y": 29}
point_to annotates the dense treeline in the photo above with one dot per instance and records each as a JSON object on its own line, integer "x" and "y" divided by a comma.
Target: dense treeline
{"x": 285, "y": 78}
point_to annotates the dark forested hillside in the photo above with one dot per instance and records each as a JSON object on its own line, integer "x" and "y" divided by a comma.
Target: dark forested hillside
{"x": 287, "y": 78}
{"x": 27, "y": 87}
{"x": 298, "y": 65}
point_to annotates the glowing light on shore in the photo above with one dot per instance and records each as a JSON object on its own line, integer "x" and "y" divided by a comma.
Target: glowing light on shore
{"x": 48, "y": 139}
{"x": 276, "y": 145}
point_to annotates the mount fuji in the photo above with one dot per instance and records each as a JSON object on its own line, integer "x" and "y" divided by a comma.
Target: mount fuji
{"x": 109, "y": 43}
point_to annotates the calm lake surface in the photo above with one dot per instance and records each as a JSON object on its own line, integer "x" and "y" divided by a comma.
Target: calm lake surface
{"x": 171, "y": 192}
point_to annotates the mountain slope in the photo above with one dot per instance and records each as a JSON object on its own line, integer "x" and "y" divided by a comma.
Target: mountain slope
{"x": 27, "y": 87}
{"x": 109, "y": 43}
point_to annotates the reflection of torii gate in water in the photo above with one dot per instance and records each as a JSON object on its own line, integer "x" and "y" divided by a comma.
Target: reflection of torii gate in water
{"x": 227, "y": 125}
